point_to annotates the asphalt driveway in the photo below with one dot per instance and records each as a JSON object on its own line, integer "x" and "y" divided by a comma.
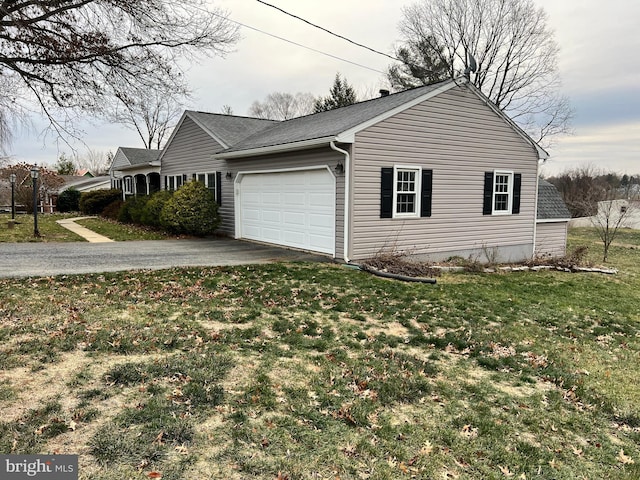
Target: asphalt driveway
{"x": 48, "y": 259}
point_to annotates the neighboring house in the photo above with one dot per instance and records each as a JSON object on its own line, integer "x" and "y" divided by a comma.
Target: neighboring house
{"x": 135, "y": 171}
{"x": 85, "y": 183}
{"x": 552, "y": 221}
{"x": 613, "y": 210}
{"x": 437, "y": 171}
{"x": 82, "y": 183}
{"x": 84, "y": 173}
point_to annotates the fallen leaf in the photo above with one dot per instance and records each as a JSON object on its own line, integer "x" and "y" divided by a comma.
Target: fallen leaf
{"x": 282, "y": 476}
{"x": 427, "y": 448}
{"x": 154, "y": 475}
{"x": 577, "y": 451}
{"x": 505, "y": 471}
{"x": 622, "y": 458}
{"x": 73, "y": 425}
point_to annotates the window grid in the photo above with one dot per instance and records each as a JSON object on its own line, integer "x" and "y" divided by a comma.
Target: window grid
{"x": 501, "y": 192}
{"x": 406, "y": 192}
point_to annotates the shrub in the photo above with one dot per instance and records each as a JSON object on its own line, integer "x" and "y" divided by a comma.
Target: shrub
{"x": 112, "y": 211}
{"x": 93, "y": 203}
{"x": 153, "y": 208}
{"x": 191, "y": 210}
{"x": 69, "y": 201}
{"x": 131, "y": 211}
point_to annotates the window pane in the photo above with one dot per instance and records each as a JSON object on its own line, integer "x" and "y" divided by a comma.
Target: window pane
{"x": 501, "y": 192}
{"x": 406, "y": 203}
{"x": 501, "y": 202}
{"x": 202, "y": 178}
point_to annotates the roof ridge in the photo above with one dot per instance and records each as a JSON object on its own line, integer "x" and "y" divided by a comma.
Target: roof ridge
{"x": 232, "y": 116}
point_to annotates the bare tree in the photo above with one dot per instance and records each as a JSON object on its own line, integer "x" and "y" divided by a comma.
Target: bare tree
{"x": 152, "y": 114}
{"x": 515, "y": 52}
{"x": 68, "y": 57}
{"x": 611, "y": 216}
{"x": 422, "y": 62}
{"x": 97, "y": 162}
{"x": 283, "y": 106}
{"x": 581, "y": 189}
{"x": 227, "y": 110}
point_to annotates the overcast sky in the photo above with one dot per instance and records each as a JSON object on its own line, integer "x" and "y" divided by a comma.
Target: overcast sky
{"x": 599, "y": 44}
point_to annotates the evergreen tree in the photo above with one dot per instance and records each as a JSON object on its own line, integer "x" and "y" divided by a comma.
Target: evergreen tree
{"x": 341, "y": 95}
{"x": 65, "y": 166}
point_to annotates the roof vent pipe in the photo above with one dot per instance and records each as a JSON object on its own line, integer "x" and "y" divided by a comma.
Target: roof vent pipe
{"x": 384, "y": 92}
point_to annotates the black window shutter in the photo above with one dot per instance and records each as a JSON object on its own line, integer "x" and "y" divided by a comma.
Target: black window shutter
{"x": 427, "y": 187}
{"x": 219, "y": 188}
{"x": 386, "y": 193}
{"x": 487, "y": 206}
{"x": 184, "y": 178}
{"x": 517, "y": 187}
{"x": 194, "y": 177}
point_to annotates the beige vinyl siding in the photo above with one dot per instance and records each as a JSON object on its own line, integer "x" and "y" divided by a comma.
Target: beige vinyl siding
{"x": 458, "y": 137}
{"x": 551, "y": 239}
{"x": 293, "y": 160}
{"x": 119, "y": 161}
{"x": 191, "y": 151}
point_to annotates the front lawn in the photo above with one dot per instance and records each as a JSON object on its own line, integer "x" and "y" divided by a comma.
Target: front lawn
{"x": 315, "y": 371}
{"x": 50, "y": 231}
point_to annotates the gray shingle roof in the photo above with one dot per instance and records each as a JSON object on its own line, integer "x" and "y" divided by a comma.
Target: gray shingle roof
{"x": 331, "y": 123}
{"x": 550, "y": 203}
{"x": 140, "y": 156}
{"x": 228, "y": 128}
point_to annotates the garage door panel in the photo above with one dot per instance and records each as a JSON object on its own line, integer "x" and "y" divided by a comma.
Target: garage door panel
{"x": 321, "y": 221}
{"x": 295, "y": 219}
{"x": 295, "y": 209}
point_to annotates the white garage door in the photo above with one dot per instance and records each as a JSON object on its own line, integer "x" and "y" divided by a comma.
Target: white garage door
{"x": 296, "y": 209}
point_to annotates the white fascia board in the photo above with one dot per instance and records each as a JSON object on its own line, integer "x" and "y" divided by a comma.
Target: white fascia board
{"x": 348, "y": 136}
{"x": 286, "y": 147}
{"x": 553, "y": 220}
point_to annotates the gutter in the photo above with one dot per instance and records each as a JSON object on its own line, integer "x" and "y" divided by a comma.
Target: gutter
{"x": 316, "y": 142}
{"x": 347, "y": 193}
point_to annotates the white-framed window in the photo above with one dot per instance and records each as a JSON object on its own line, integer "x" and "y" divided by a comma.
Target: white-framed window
{"x": 502, "y": 192}
{"x": 127, "y": 182}
{"x": 209, "y": 180}
{"x": 173, "y": 182}
{"x": 406, "y": 191}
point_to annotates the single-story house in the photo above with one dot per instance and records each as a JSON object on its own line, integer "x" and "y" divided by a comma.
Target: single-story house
{"x": 135, "y": 171}
{"x": 436, "y": 171}
{"x": 85, "y": 183}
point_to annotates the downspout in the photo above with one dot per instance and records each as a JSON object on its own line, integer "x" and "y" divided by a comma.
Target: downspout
{"x": 347, "y": 170}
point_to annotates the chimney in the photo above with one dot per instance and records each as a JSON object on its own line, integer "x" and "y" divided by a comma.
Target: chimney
{"x": 384, "y": 93}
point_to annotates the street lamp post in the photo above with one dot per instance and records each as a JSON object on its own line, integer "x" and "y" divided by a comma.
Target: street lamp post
{"x": 35, "y": 171}
{"x": 12, "y": 179}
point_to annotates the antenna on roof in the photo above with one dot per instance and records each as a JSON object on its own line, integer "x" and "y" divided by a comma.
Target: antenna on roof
{"x": 472, "y": 66}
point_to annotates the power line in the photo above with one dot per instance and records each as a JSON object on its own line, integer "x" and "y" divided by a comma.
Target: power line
{"x": 329, "y": 31}
{"x": 294, "y": 43}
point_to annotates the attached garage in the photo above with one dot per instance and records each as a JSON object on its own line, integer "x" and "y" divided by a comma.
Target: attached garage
{"x": 291, "y": 208}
